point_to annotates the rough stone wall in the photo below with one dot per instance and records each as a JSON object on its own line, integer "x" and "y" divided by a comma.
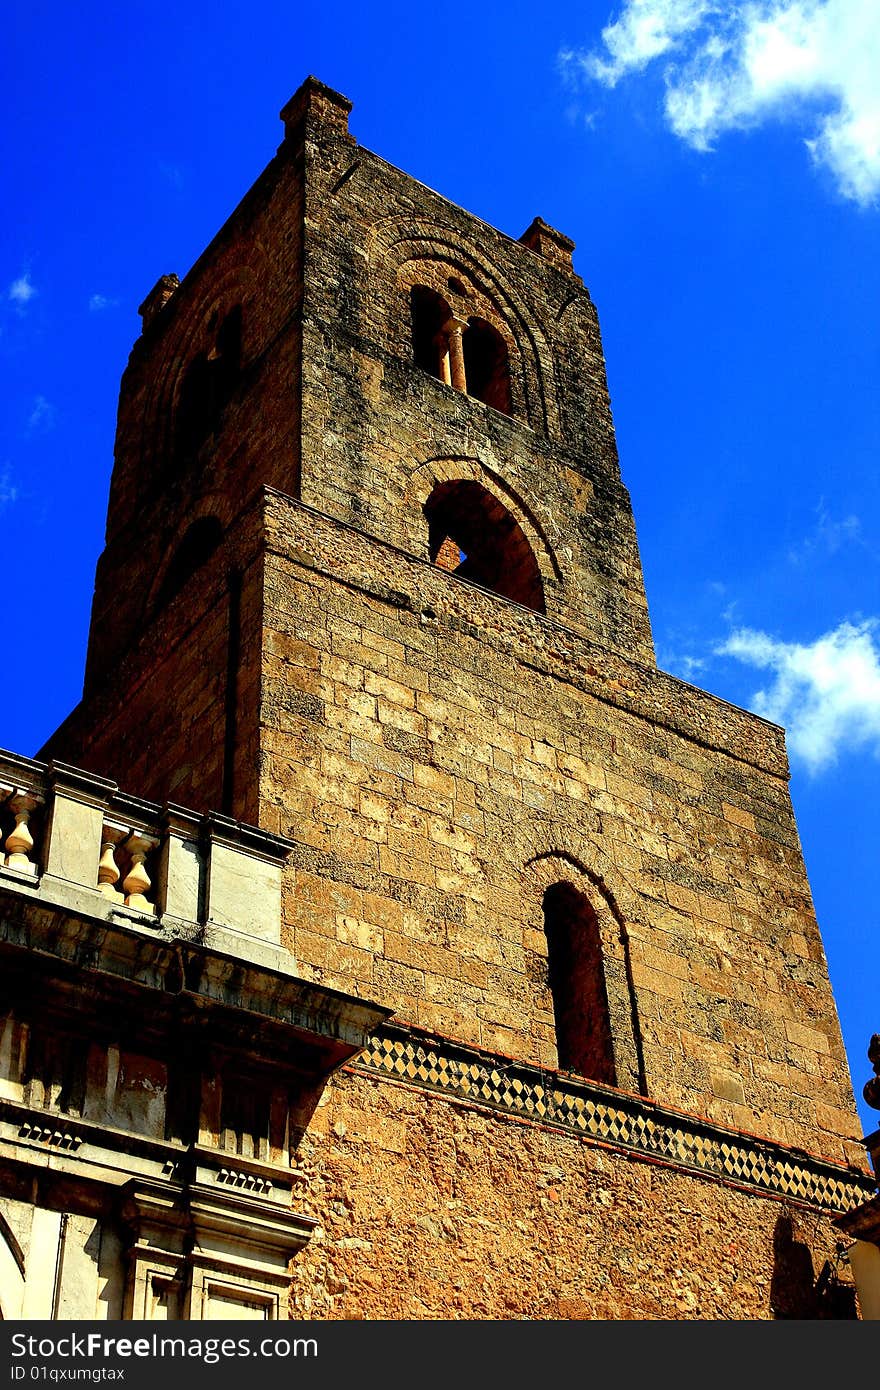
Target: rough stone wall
{"x": 442, "y": 757}
{"x": 432, "y": 1210}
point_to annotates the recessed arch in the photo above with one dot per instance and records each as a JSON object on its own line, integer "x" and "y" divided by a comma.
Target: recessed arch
{"x": 608, "y": 923}
{"x": 425, "y": 477}
{"x": 207, "y": 385}
{"x": 430, "y": 313}
{"x": 576, "y": 978}
{"x": 193, "y": 550}
{"x": 493, "y": 549}
{"x": 196, "y": 315}
{"x": 486, "y": 364}
{"x": 399, "y": 246}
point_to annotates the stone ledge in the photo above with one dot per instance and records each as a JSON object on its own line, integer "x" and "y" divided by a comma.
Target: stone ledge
{"x": 166, "y": 975}
{"x": 308, "y": 538}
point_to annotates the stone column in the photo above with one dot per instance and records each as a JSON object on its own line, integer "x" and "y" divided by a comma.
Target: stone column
{"x": 454, "y": 328}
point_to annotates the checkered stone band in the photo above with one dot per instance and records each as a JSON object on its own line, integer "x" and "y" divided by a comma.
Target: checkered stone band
{"x": 608, "y": 1117}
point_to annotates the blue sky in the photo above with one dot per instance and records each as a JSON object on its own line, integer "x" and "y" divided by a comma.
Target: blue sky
{"x": 718, "y": 166}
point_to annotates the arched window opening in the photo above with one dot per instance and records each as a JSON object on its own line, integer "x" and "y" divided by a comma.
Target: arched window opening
{"x": 577, "y": 984}
{"x": 194, "y": 407}
{"x": 196, "y": 548}
{"x": 469, "y": 354}
{"x": 226, "y": 356}
{"x": 473, "y": 535}
{"x": 208, "y": 385}
{"x": 430, "y": 314}
{"x": 486, "y": 365}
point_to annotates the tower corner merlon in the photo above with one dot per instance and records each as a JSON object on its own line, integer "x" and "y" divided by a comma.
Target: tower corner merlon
{"x": 554, "y": 246}
{"x": 162, "y": 291}
{"x": 314, "y": 101}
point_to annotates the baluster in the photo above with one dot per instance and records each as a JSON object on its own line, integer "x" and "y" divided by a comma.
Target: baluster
{"x": 20, "y": 841}
{"x": 137, "y": 882}
{"x": 108, "y": 869}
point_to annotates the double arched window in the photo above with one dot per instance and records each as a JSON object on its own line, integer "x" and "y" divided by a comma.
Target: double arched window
{"x": 468, "y": 354}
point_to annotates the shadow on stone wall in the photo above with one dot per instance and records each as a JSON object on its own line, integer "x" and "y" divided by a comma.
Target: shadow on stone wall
{"x": 795, "y": 1290}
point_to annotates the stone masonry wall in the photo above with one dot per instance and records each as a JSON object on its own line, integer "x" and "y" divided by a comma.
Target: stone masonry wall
{"x": 433, "y": 1210}
{"x": 442, "y": 757}
{"x": 161, "y": 720}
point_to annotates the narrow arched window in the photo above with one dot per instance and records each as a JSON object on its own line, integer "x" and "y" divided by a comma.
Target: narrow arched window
{"x": 472, "y": 534}
{"x": 194, "y": 408}
{"x": 430, "y": 314}
{"x": 486, "y": 365}
{"x": 577, "y": 984}
{"x": 207, "y": 386}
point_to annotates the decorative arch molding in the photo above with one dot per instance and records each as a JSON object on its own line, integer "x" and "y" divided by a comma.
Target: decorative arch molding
{"x": 187, "y": 334}
{"x": 453, "y": 468}
{"x": 395, "y": 242}
{"x": 208, "y": 510}
{"x": 586, "y": 867}
{"x": 579, "y": 299}
{"x": 12, "y": 1273}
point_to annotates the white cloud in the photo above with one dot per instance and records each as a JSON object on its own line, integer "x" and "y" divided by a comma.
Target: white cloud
{"x": 690, "y": 666}
{"x": 645, "y": 30}
{"x": 97, "y": 302}
{"x": 22, "y": 290}
{"x": 42, "y": 416}
{"x": 826, "y": 693}
{"x": 733, "y": 64}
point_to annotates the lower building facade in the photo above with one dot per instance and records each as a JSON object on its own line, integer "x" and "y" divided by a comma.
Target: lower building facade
{"x": 191, "y": 1130}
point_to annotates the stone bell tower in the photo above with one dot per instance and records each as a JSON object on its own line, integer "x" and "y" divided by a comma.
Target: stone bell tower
{"x": 371, "y": 582}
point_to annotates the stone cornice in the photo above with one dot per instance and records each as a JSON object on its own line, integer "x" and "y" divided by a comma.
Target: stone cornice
{"x": 77, "y": 943}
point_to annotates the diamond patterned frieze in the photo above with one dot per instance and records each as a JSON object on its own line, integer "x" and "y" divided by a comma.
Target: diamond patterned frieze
{"x": 594, "y": 1112}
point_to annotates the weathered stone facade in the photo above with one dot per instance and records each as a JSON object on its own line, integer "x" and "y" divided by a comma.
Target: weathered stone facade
{"x": 508, "y": 826}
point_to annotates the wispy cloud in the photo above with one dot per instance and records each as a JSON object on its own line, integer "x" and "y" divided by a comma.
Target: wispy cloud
{"x": 8, "y": 489}
{"x": 42, "y": 416}
{"x": 729, "y": 66}
{"x": 679, "y": 663}
{"x": 22, "y": 290}
{"x": 829, "y": 536}
{"x": 97, "y": 302}
{"x": 826, "y": 693}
